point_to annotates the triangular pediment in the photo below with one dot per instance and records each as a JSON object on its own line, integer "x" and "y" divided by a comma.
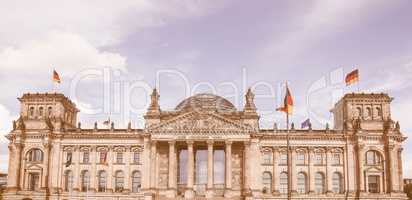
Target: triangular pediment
{"x": 34, "y": 166}
{"x": 196, "y": 122}
{"x": 373, "y": 169}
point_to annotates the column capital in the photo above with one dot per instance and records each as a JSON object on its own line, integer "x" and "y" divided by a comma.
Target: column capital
{"x": 172, "y": 143}
{"x": 228, "y": 142}
{"x": 210, "y": 142}
{"x": 190, "y": 142}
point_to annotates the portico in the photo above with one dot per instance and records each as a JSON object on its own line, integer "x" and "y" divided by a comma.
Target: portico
{"x": 200, "y": 168}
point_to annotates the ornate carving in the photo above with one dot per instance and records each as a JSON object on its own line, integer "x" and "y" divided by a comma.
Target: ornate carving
{"x": 198, "y": 122}
{"x": 356, "y": 124}
{"x": 250, "y": 104}
{"x": 237, "y": 169}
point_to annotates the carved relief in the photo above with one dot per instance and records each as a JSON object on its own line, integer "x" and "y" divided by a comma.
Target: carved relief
{"x": 196, "y": 121}
{"x": 163, "y": 169}
{"x": 237, "y": 169}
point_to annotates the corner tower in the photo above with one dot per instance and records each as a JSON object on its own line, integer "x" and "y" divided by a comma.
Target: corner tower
{"x": 365, "y": 111}
{"x": 46, "y": 111}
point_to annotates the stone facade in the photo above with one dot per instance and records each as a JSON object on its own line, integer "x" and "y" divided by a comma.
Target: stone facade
{"x": 204, "y": 149}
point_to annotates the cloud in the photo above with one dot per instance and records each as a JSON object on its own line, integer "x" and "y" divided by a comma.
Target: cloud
{"x": 6, "y": 122}
{"x": 63, "y": 51}
{"x": 394, "y": 78}
{"x": 314, "y": 24}
{"x": 102, "y": 23}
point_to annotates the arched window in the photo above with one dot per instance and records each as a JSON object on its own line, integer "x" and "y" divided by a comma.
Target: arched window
{"x": 35, "y": 155}
{"x": 119, "y": 181}
{"x": 267, "y": 182}
{"x": 102, "y": 177}
{"x": 301, "y": 183}
{"x": 85, "y": 180}
{"x": 49, "y": 111}
{"x": 373, "y": 158}
{"x": 136, "y": 181}
{"x": 68, "y": 181}
{"x": 358, "y": 112}
{"x": 378, "y": 112}
{"x": 368, "y": 113}
{"x": 283, "y": 183}
{"x": 31, "y": 112}
{"x": 41, "y": 112}
{"x": 337, "y": 183}
{"x": 319, "y": 183}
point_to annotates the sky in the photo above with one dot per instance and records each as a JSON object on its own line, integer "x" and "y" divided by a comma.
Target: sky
{"x": 110, "y": 54}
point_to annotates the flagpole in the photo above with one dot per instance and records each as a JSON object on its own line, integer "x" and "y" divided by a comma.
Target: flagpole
{"x": 288, "y": 156}
{"x": 288, "y": 150}
{"x": 358, "y": 84}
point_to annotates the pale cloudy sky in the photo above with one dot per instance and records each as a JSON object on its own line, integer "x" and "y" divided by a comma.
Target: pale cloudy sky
{"x": 221, "y": 46}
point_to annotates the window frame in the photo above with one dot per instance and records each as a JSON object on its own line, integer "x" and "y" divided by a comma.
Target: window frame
{"x": 267, "y": 182}
{"x": 136, "y": 179}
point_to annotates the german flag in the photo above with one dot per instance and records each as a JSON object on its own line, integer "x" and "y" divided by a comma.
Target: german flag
{"x": 56, "y": 77}
{"x": 352, "y": 77}
{"x": 288, "y": 103}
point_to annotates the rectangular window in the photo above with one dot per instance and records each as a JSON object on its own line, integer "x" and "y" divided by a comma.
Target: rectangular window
{"x": 318, "y": 159}
{"x": 119, "y": 157}
{"x": 86, "y": 157}
{"x": 373, "y": 184}
{"x": 336, "y": 158}
{"x": 300, "y": 159}
{"x": 103, "y": 157}
{"x": 267, "y": 158}
{"x": 136, "y": 157}
{"x": 283, "y": 159}
{"x": 34, "y": 179}
{"x": 69, "y": 158}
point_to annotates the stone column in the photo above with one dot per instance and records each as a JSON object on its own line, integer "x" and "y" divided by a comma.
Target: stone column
{"x": 209, "y": 192}
{"x": 146, "y": 164}
{"x": 93, "y": 173}
{"x": 393, "y": 152}
{"x": 246, "y": 174}
{"x": 172, "y": 170}
{"x": 153, "y": 158}
{"x": 311, "y": 171}
{"x": 292, "y": 170}
{"x": 361, "y": 163}
{"x": 15, "y": 159}
{"x": 328, "y": 174}
{"x": 127, "y": 160}
{"x": 350, "y": 166}
{"x": 46, "y": 159}
{"x": 400, "y": 169}
{"x": 110, "y": 173}
{"x": 76, "y": 173}
{"x": 275, "y": 174}
{"x": 189, "y": 194}
{"x": 255, "y": 169}
{"x": 228, "y": 160}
